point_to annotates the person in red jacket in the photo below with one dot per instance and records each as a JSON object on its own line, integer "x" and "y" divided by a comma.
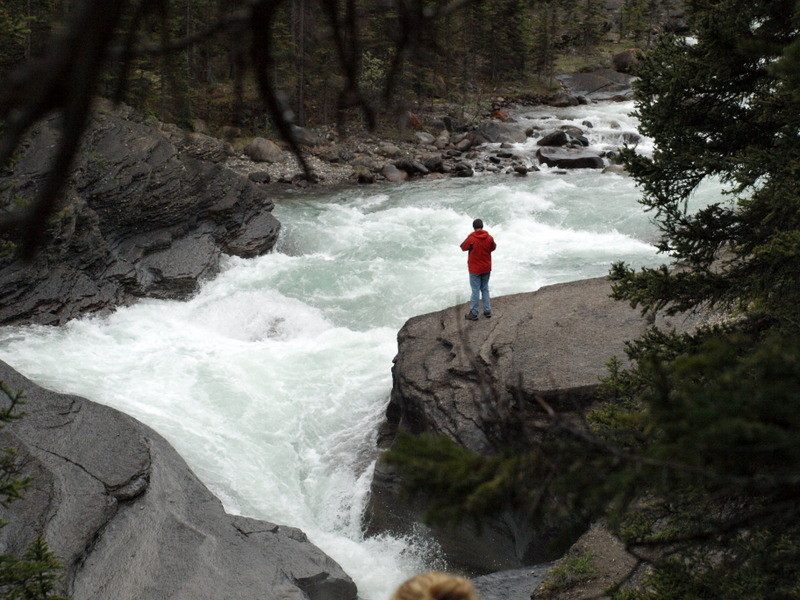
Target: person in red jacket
{"x": 480, "y": 246}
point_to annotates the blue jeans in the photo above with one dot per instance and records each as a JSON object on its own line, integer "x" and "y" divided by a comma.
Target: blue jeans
{"x": 480, "y": 287}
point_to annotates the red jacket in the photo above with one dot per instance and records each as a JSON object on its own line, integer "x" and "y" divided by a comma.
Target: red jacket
{"x": 480, "y": 245}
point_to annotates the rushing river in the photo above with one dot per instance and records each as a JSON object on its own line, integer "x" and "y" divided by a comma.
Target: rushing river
{"x": 272, "y": 381}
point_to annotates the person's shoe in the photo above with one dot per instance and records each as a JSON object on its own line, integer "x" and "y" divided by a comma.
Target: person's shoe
{"x": 470, "y": 316}
{"x": 487, "y": 314}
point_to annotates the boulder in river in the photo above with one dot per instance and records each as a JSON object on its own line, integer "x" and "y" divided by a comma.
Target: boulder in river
{"x": 393, "y": 174}
{"x": 494, "y": 132}
{"x": 424, "y": 138}
{"x": 478, "y": 384}
{"x": 554, "y": 138}
{"x": 569, "y": 158}
{"x": 130, "y": 521}
{"x": 563, "y": 99}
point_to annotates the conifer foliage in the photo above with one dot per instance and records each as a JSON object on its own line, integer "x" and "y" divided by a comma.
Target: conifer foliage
{"x": 37, "y": 573}
{"x": 693, "y": 455}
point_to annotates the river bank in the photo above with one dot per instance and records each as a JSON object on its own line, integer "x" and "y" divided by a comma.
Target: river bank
{"x": 436, "y": 143}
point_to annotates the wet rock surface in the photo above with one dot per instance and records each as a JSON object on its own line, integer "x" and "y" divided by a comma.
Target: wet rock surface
{"x": 602, "y": 84}
{"x": 129, "y": 520}
{"x": 478, "y": 384}
{"x": 148, "y": 211}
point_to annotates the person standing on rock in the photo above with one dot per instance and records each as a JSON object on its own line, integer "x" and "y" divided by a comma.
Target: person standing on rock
{"x": 480, "y": 246}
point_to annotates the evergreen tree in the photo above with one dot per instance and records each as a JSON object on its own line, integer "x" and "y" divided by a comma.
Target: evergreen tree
{"x": 544, "y": 43}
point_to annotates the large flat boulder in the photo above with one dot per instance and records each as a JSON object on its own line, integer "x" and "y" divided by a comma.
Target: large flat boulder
{"x": 130, "y": 521}
{"x": 149, "y": 210}
{"x": 602, "y": 84}
{"x": 478, "y": 384}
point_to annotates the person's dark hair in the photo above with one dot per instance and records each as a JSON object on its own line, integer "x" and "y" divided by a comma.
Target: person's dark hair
{"x": 477, "y": 224}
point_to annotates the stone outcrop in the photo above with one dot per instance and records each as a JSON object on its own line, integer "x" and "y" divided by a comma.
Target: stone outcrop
{"x": 130, "y": 521}
{"x": 603, "y": 84}
{"x": 478, "y": 383}
{"x": 148, "y": 211}
{"x": 495, "y": 132}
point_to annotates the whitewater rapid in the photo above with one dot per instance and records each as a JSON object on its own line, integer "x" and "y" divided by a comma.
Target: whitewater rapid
{"x": 273, "y": 379}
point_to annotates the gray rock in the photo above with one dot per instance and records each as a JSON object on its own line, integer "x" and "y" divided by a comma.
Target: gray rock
{"x": 494, "y": 131}
{"x": 129, "y": 520}
{"x": 630, "y": 137}
{"x": 478, "y": 384}
{"x": 433, "y": 162}
{"x": 602, "y": 84}
{"x": 393, "y": 174}
{"x": 368, "y": 162}
{"x": 411, "y": 166}
{"x": 464, "y": 170}
{"x": 442, "y": 140}
{"x": 389, "y": 150}
{"x": 424, "y": 138}
{"x": 464, "y": 144}
{"x": 148, "y": 212}
{"x": 263, "y": 150}
{"x": 554, "y": 138}
{"x": 569, "y": 158}
{"x": 563, "y": 99}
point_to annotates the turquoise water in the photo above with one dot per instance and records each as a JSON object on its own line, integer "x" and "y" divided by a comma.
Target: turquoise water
{"x": 272, "y": 381}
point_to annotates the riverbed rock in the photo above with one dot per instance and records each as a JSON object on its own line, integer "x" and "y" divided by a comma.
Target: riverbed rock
{"x": 563, "y": 99}
{"x": 478, "y": 384}
{"x": 424, "y": 138}
{"x": 130, "y": 521}
{"x": 263, "y": 150}
{"x": 602, "y": 84}
{"x": 148, "y": 211}
{"x": 393, "y": 174}
{"x": 569, "y": 158}
{"x": 494, "y": 132}
{"x": 554, "y": 138}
